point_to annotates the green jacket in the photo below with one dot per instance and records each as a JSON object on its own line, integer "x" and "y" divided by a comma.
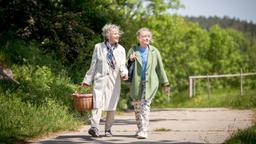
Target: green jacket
{"x": 155, "y": 73}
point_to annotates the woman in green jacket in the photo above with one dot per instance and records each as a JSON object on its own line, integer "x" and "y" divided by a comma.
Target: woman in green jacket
{"x": 148, "y": 72}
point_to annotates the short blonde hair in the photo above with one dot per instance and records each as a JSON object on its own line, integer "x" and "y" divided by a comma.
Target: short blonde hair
{"x": 144, "y": 29}
{"x": 107, "y": 29}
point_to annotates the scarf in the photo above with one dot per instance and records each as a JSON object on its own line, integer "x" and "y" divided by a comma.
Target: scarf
{"x": 110, "y": 56}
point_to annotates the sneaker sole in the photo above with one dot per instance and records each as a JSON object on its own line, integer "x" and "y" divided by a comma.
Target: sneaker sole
{"x": 93, "y": 133}
{"x": 107, "y": 135}
{"x": 141, "y": 137}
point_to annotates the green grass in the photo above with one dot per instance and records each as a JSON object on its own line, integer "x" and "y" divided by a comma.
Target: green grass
{"x": 21, "y": 121}
{"x": 218, "y": 98}
{"x": 246, "y": 136}
{"x": 40, "y": 105}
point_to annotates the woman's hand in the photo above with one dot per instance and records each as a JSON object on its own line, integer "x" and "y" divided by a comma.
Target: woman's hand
{"x": 133, "y": 57}
{"x": 166, "y": 90}
{"x": 125, "y": 77}
{"x": 84, "y": 84}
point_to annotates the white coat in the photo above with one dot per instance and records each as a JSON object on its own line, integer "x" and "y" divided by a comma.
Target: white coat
{"x": 106, "y": 81}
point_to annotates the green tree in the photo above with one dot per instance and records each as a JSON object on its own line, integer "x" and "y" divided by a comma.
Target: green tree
{"x": 224, "y": 52}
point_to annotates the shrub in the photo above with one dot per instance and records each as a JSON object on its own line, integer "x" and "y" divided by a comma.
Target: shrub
{"x": 247, "y": 136}
{"x": 22, "y": 120}
{"x": 39, "y": 83}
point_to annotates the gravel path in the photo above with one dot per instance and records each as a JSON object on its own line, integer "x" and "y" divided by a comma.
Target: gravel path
{"x": 180, "y": 126}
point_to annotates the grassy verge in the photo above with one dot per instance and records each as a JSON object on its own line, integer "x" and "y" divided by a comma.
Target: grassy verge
{"x": 247, "y": 136}
{"x": 218, "y": 98}
{"x": 40, "y": 105}
{"x": 21, "y": 121}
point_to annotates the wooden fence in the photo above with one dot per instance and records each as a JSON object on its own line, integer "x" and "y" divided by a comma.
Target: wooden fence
{"x": 192, "y": 81}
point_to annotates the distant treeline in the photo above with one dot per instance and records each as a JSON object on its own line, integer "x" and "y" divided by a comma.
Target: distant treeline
{"x": 225, "y": 22}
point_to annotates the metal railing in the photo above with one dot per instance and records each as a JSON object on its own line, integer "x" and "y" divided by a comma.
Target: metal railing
{"x": 192, "y": 81}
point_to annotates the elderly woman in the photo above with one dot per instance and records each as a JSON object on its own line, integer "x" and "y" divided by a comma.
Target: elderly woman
{"x": 147, "y": 73}
{"x": 105, "y": 73}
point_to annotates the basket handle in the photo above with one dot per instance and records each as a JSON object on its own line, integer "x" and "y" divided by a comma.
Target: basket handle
{"x": 80, "y": 87}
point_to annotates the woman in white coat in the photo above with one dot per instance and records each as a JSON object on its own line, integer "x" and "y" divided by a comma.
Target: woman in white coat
{"x": 105, "y": 73}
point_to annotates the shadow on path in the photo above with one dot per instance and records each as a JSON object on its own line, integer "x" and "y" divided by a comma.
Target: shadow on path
{"x": 132, "y": 121}
{"x": 79, "y": 139}
{"x": 193, "y": 126}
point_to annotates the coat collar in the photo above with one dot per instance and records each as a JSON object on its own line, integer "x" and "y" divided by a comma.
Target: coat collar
{"x": 103, "y": 45}
{"x": 151, "y": 50}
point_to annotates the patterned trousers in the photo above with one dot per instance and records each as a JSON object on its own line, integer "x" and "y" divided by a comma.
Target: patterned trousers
{"x": 142, "y": 110}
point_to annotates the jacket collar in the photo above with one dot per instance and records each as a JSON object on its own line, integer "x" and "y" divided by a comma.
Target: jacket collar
{"x": 151, "y": 50}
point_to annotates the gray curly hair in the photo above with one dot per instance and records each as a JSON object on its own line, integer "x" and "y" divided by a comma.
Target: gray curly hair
{"x": 107, "y": 29}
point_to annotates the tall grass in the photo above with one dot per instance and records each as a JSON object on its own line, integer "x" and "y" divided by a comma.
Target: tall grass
{"x": 247, "y": 136}
{"x": 21, "y": 120}
{"x": 42, "y": 102}
{"x": 218, "y": 98}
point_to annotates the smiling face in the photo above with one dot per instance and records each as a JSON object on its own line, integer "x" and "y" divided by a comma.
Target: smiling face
{"x": 113, "y": 36}
{"x": 144, "y": 38}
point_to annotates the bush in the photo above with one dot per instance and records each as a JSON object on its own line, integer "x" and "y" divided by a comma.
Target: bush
{"x": 247, "y": 136}
{"x": 22, "y": 120}
{"x": 42, "y": 102}
{"x": 39, "y": 83}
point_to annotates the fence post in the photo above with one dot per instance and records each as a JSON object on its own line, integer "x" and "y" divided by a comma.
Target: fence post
{"x": 190, "y": 87}
{"x": 194, "y": 87}
{"x": 241, "y": 83}
{"x": 209, "y": 86}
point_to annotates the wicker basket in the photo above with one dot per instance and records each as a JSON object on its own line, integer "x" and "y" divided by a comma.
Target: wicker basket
{"x": 83, "y": 102}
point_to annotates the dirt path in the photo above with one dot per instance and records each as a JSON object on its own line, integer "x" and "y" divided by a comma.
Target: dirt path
{"x": 180, "y": 126}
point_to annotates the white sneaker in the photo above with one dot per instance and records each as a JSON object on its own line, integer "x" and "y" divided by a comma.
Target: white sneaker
{"x": 142, "y": 135}
{"x": 108, "y": 133}
{"x": 136, "y": 133}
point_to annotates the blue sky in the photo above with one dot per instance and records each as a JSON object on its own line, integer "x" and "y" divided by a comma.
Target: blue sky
{"x": 242, "y": 9}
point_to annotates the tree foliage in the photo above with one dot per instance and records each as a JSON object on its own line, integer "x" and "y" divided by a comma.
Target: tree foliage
{"x": 67, "y": 30}
{"x": 49, "y": 44}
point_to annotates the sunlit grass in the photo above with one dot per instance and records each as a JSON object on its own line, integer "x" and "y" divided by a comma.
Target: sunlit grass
{"x": 247, "y": 136}
{"x": 217, "y": 98}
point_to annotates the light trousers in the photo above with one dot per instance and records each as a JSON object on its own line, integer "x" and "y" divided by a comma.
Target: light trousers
{"x": 142, "y": 110}
{"x": 96, "y": 115}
